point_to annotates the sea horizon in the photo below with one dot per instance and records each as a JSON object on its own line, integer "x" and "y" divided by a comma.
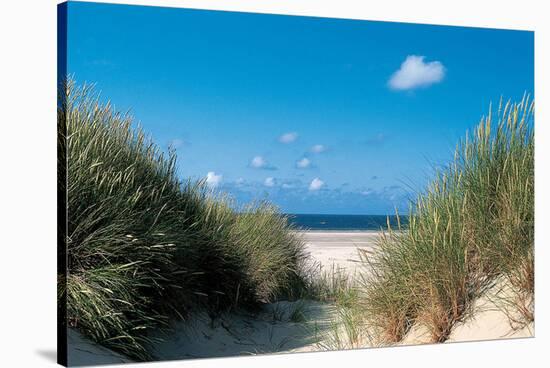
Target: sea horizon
{"x": 347, "y": 222}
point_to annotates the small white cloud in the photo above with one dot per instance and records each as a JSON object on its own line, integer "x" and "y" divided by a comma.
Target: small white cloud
{"x": 239, "y": 181}
{"x": 318, "y": 148}
{"x": 303, "y": 163}
{"x": 288, "y": 137}
{"x": 213, "y": 179}
{"x": 269, "y": 182}
{"x": 258, "y": 162}
{"x": 316, "y": 184}
{"x": 414, "y": 73}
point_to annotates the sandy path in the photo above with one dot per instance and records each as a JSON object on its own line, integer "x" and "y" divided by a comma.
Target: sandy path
{"x": 280, "y": 327}
{"x": 275, "y": 329}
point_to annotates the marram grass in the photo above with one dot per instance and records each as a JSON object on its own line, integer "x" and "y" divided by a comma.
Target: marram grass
{"x": 144, "y": 247}
{"x": 473, "y": 225}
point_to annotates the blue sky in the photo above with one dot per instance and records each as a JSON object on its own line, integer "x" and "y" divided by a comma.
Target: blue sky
{"x": 317, "y": 115}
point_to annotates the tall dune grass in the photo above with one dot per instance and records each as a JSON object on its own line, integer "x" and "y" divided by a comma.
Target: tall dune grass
{"x": 474, "y": 224}
{"x": 144, "y": 247}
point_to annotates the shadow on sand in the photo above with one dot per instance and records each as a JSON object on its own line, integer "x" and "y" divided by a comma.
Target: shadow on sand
{"x": 280, "y": 327}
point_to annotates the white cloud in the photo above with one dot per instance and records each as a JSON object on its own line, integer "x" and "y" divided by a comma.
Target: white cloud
{"x": 258, "y": 162}
{"x": 288, "y": 137}
{"x": 213, "y": 179}
{"x": 414, "y": 72}
{"x": 269, "y": 182}
{"x": 318, "y": 148}
{"x": 316, "y": 184}
{"x": 303, "y": 163}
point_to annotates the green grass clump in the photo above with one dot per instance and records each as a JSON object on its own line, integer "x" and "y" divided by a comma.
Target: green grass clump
{"x": 347, "y": 326}
{"x": 334, "y": 285}
{"x": 474, "y": 225}
{"x": 144, "y": 247}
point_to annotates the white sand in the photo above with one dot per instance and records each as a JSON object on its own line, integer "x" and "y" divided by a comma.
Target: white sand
{"x": 339, "y": 248}
{"x": 491, "y": 324}
{"x": 487, "y": 320}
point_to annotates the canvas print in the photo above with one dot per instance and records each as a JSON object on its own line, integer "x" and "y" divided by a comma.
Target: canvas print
{"x": 236, "y": 184}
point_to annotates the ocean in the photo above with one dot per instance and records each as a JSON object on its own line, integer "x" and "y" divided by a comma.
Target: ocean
{"x": 345, "y": 222}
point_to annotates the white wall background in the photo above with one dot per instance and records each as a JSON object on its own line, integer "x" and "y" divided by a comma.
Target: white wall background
{"x": 28, "y": 180}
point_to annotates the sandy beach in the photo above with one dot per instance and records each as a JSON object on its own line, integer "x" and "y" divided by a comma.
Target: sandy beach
{"x": 339, "y": 248}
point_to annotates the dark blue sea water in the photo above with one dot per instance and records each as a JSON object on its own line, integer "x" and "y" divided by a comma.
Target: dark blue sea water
{"x": 345, "y": 222}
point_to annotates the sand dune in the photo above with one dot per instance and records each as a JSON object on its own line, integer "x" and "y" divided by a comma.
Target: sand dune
{"x": 488, "y": 320}
{"x": 485, "y": 321}
{"x": 293, "y": 326}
